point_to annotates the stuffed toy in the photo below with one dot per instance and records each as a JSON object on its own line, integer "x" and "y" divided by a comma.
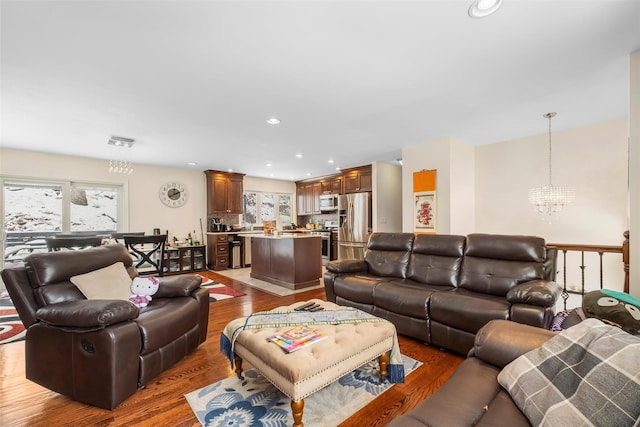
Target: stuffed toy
{"x": 615, "y": 308}
{"x": 142, "y": 289}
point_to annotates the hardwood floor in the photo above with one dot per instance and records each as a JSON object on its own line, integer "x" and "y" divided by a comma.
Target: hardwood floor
{"x": 162, "y": 402}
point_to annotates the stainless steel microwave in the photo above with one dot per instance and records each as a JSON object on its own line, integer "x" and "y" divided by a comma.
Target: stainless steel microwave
{"x": 328, "y": 202}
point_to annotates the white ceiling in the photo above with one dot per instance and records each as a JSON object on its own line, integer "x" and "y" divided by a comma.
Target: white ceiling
{"x": 352, "y": 81}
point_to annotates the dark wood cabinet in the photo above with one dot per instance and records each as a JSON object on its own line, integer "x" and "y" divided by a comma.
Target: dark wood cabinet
{"x": 292, "y": 262}
{"x": 185, "y": 259}
{"x": 218, "y": 251}
{"x": 224, "y": 192}
{"x": 316, "y": 190}
{"x": 332, "y": 185}
{"x": 308, "y": 198}
{"x": 354, "y": 180}
{"x": 303, "y": 200}
{"x": 358, "y": 180}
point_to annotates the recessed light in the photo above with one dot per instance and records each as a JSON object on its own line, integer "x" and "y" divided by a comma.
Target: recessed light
{"x": 121, "y": 141}
{"x": 338, "y": 168}
{"x": 192, "y": 163}
{"x": 268, "y": 165}
{"x": 483, "y": 8}
{"x": 299, "y": 156}
{"x": 273, "y": 121}
{"x": 229, "y": 170}
{"x": 331, "y": 161}
{"x": 308, "y": 173}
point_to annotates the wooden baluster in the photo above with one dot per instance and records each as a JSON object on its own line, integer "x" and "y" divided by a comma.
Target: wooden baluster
{"x": 601, "y": 279}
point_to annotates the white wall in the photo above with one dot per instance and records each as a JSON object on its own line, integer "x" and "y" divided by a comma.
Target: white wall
{"x": 429, "y": 155}
{"x": 485, "y": 189}
{"x": 462, "y": 188}
{"x": 387, "y": 197}
{"x": 592, "y": 160}
{"x": 145, "y": 209}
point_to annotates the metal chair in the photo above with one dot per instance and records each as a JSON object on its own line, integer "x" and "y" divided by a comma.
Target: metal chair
{"x": 149, "y": 251}
{"x": 56, "y": 243}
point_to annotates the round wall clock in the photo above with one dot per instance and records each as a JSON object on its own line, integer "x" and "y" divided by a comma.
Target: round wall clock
{"x": 173, "y": 194}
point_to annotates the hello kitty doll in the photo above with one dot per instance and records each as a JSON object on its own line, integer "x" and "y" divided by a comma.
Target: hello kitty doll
{"x": 142, "y": 289}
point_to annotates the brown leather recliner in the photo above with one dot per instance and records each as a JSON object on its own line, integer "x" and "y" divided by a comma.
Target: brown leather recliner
{"x": 101, "y": 351}
{"x": 472, "y": 396}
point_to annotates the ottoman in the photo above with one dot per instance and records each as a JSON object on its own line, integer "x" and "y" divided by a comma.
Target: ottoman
{"x": 305, "y": 371}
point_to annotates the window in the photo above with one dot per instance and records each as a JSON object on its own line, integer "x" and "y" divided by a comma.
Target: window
{"x": 33, "y": 210}
{"x": 263, "y": 206}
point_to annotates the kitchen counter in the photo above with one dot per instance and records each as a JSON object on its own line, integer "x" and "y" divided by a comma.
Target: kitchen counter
{"x": 293, "y": 261}
{"x": 283, "y": 235}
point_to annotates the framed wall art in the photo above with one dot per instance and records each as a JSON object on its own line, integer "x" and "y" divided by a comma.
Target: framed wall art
{"x": 425, "y": 210}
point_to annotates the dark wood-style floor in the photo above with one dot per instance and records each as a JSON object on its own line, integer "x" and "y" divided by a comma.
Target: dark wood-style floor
{"x": 162, "y": 402}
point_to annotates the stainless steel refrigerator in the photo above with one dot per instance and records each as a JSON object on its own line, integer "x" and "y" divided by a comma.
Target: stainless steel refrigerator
{"x": 355, "y": 225}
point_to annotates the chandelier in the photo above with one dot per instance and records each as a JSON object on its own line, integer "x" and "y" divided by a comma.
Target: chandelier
{"x": 550, "y": 200}
{"x": 120, "y": 166}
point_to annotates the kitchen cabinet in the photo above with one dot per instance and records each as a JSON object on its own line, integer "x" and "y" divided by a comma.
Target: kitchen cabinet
{"x": 224, "y": 192}
{"x": 332, "y": 185}
{"x": 185, "y": 259}
{"x": 316, "y": 190}
{"x": 303, "y": 199}
{"x": 308, "y": 198}
{"x": 358, "y": 180}
{"x": 218, "y": 251}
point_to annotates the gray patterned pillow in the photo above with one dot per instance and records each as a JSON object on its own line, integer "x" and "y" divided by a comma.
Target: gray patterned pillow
{"x": 586, "y": 375}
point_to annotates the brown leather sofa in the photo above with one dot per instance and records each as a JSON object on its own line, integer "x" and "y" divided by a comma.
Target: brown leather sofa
{"x": 472, "y": 395}
{"x": 101, "y": 351}
{"x": 442, "y": 289}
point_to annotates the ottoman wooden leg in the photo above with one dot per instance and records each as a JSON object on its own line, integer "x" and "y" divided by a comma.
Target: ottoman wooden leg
{"x": 383, "y": 360}
{"x": 296, "y": 410}
{"x": 238, "y": 362}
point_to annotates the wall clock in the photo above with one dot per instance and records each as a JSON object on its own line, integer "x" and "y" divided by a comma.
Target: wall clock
{"x": 173, "y": 194}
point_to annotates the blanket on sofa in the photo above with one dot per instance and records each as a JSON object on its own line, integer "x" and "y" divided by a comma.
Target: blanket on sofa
{"x": 586, "y": 375}
{"x": 270, "y": 319}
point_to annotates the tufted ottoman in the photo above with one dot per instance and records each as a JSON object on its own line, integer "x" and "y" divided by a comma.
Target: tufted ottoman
{"x": 303, "y": 372}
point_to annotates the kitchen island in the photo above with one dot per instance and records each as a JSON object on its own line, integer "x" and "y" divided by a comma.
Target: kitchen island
{"x": 293, "y": 261}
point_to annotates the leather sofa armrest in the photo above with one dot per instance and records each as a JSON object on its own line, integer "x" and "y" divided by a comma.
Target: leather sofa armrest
{"x": 90, "y": 314}
{"x": 500, "y": 342}
{"x": 346, "y": 266}
{"x": 543, "y": 293}
{"x": 179, "y": 286}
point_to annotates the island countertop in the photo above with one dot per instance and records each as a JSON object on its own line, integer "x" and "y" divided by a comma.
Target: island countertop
{"x": 284, "y": 235}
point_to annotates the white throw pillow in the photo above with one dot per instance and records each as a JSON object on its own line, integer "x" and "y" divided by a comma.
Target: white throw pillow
{"x": 111, "y": 282}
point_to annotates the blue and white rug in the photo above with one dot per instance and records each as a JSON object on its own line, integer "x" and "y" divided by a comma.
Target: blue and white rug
{"x": 254, "y": 401}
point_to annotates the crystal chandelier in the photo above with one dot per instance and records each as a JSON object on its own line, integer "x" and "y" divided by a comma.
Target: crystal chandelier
{"x": 120, "y": 166}
{"x": 550, "y": 200}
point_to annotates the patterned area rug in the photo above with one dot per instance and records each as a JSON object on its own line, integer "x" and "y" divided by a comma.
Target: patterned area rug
{"x": 254, "y": 401}
{"x": 218, "y": 291}
{"x": 11, "y": 328}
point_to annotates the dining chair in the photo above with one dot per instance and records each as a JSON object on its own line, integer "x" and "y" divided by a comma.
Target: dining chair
{"x": 149, "y": 252}
{"x": 56, "y": 243}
